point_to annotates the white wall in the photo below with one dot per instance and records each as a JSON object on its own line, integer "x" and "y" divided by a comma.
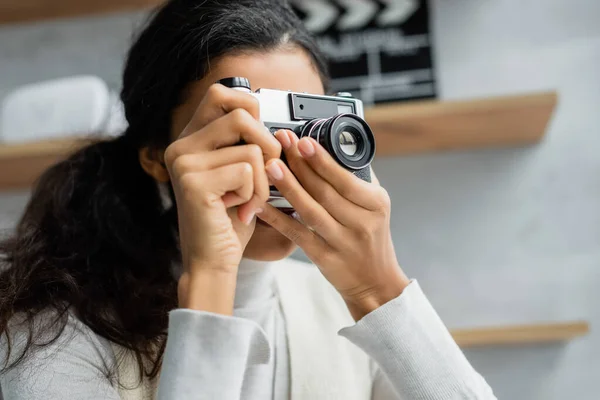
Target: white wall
{"x": 494, "y": 236}
{"x": 509, "y": 236}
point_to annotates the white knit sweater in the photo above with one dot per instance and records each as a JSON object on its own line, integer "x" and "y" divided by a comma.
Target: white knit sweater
{"x": 282, "y": 342}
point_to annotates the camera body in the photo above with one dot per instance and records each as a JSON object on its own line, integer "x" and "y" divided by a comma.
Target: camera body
{"x": 336, "y": 122}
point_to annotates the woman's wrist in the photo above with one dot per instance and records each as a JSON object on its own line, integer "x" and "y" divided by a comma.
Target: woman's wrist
{"x": 377, "y": 295}
{"x": 208, "y": 289}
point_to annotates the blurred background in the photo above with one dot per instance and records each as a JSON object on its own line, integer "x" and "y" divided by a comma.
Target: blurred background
{"x": 497, "y": 236}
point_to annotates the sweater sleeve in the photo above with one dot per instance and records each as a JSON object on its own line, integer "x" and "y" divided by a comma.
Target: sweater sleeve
{"x": 207, "y": 355}
{"x": 415, "y": 352}
{"x": 205, "y": 358}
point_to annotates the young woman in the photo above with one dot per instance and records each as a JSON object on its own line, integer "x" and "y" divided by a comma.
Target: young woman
{"x": 140, "y": 269}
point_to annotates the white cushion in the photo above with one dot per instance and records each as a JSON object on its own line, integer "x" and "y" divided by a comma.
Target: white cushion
{"x": 74, "y": 106}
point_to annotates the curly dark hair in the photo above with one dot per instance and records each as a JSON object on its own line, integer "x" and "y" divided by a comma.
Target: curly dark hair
{"x": 95, "y": 239}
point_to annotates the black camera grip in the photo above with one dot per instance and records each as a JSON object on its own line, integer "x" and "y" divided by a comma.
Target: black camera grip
{"x": 364, "y": 174}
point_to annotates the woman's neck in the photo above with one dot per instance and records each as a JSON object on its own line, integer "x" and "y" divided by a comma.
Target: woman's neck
{"x": 254, "y": 284}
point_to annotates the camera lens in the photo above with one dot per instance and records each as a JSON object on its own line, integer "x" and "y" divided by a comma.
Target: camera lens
{"x": 347, "y": 137}
{"x": 348, "y": 143}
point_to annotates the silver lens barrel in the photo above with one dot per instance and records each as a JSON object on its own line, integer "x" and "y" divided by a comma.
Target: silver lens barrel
{"x": 347, "y": 137}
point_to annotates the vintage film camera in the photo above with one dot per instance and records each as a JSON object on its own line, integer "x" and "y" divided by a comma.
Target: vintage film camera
{"x": 336, "y": 122}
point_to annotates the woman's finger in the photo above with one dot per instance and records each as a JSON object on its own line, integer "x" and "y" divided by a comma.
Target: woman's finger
{"x": 343, "y": 210}
{"x": 311, "y": 212}
{"x": 293, "y": 230}
{"x": 239, "y": 191}
{"x": 236, "y": 127}
{"x": 218, "y": 101}
{"x": 250, "y": 153}
{"x": 215, "y": 184}
{"x": 361, "y": 193}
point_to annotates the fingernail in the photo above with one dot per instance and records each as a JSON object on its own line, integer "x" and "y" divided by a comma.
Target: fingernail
{"x": 292, "y": 136}
{"x": 249, "y": 218}
{"x": 275, "y": 171}
{"x": 283, "y": 138}
{"x": 307, "y": 149}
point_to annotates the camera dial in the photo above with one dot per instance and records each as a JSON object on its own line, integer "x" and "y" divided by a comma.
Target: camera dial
{"x": 237, "y": 82}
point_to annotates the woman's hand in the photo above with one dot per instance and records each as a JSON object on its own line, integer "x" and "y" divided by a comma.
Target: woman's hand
{"x": 346, "y": 230}
{"x": 218, "y": 189}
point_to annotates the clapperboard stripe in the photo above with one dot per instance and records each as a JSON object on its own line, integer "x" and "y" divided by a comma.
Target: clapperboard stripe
{"x": 397, "y": 12}
{"x": 344, "y": 15}
{"x": 378, "y": 50}
{"x": 358, "y": 14}
{"x": 318, "y": 15}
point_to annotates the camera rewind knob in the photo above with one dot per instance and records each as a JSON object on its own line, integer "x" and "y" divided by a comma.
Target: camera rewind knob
{"x": 236, "y": 82}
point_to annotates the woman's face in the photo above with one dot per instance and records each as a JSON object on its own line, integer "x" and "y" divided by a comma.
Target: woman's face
{"x": 288, "y": 69}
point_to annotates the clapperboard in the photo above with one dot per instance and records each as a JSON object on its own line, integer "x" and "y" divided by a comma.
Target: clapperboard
{"x": 378, "y": 50}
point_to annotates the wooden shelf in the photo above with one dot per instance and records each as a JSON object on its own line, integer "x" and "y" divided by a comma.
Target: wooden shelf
{"x": 21, "y": 165}
{"x": 520, "y": 334}
{"x": 16, "y": 11}
{"x": 407, "y": 128}
{"x": 399, "y": 129}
